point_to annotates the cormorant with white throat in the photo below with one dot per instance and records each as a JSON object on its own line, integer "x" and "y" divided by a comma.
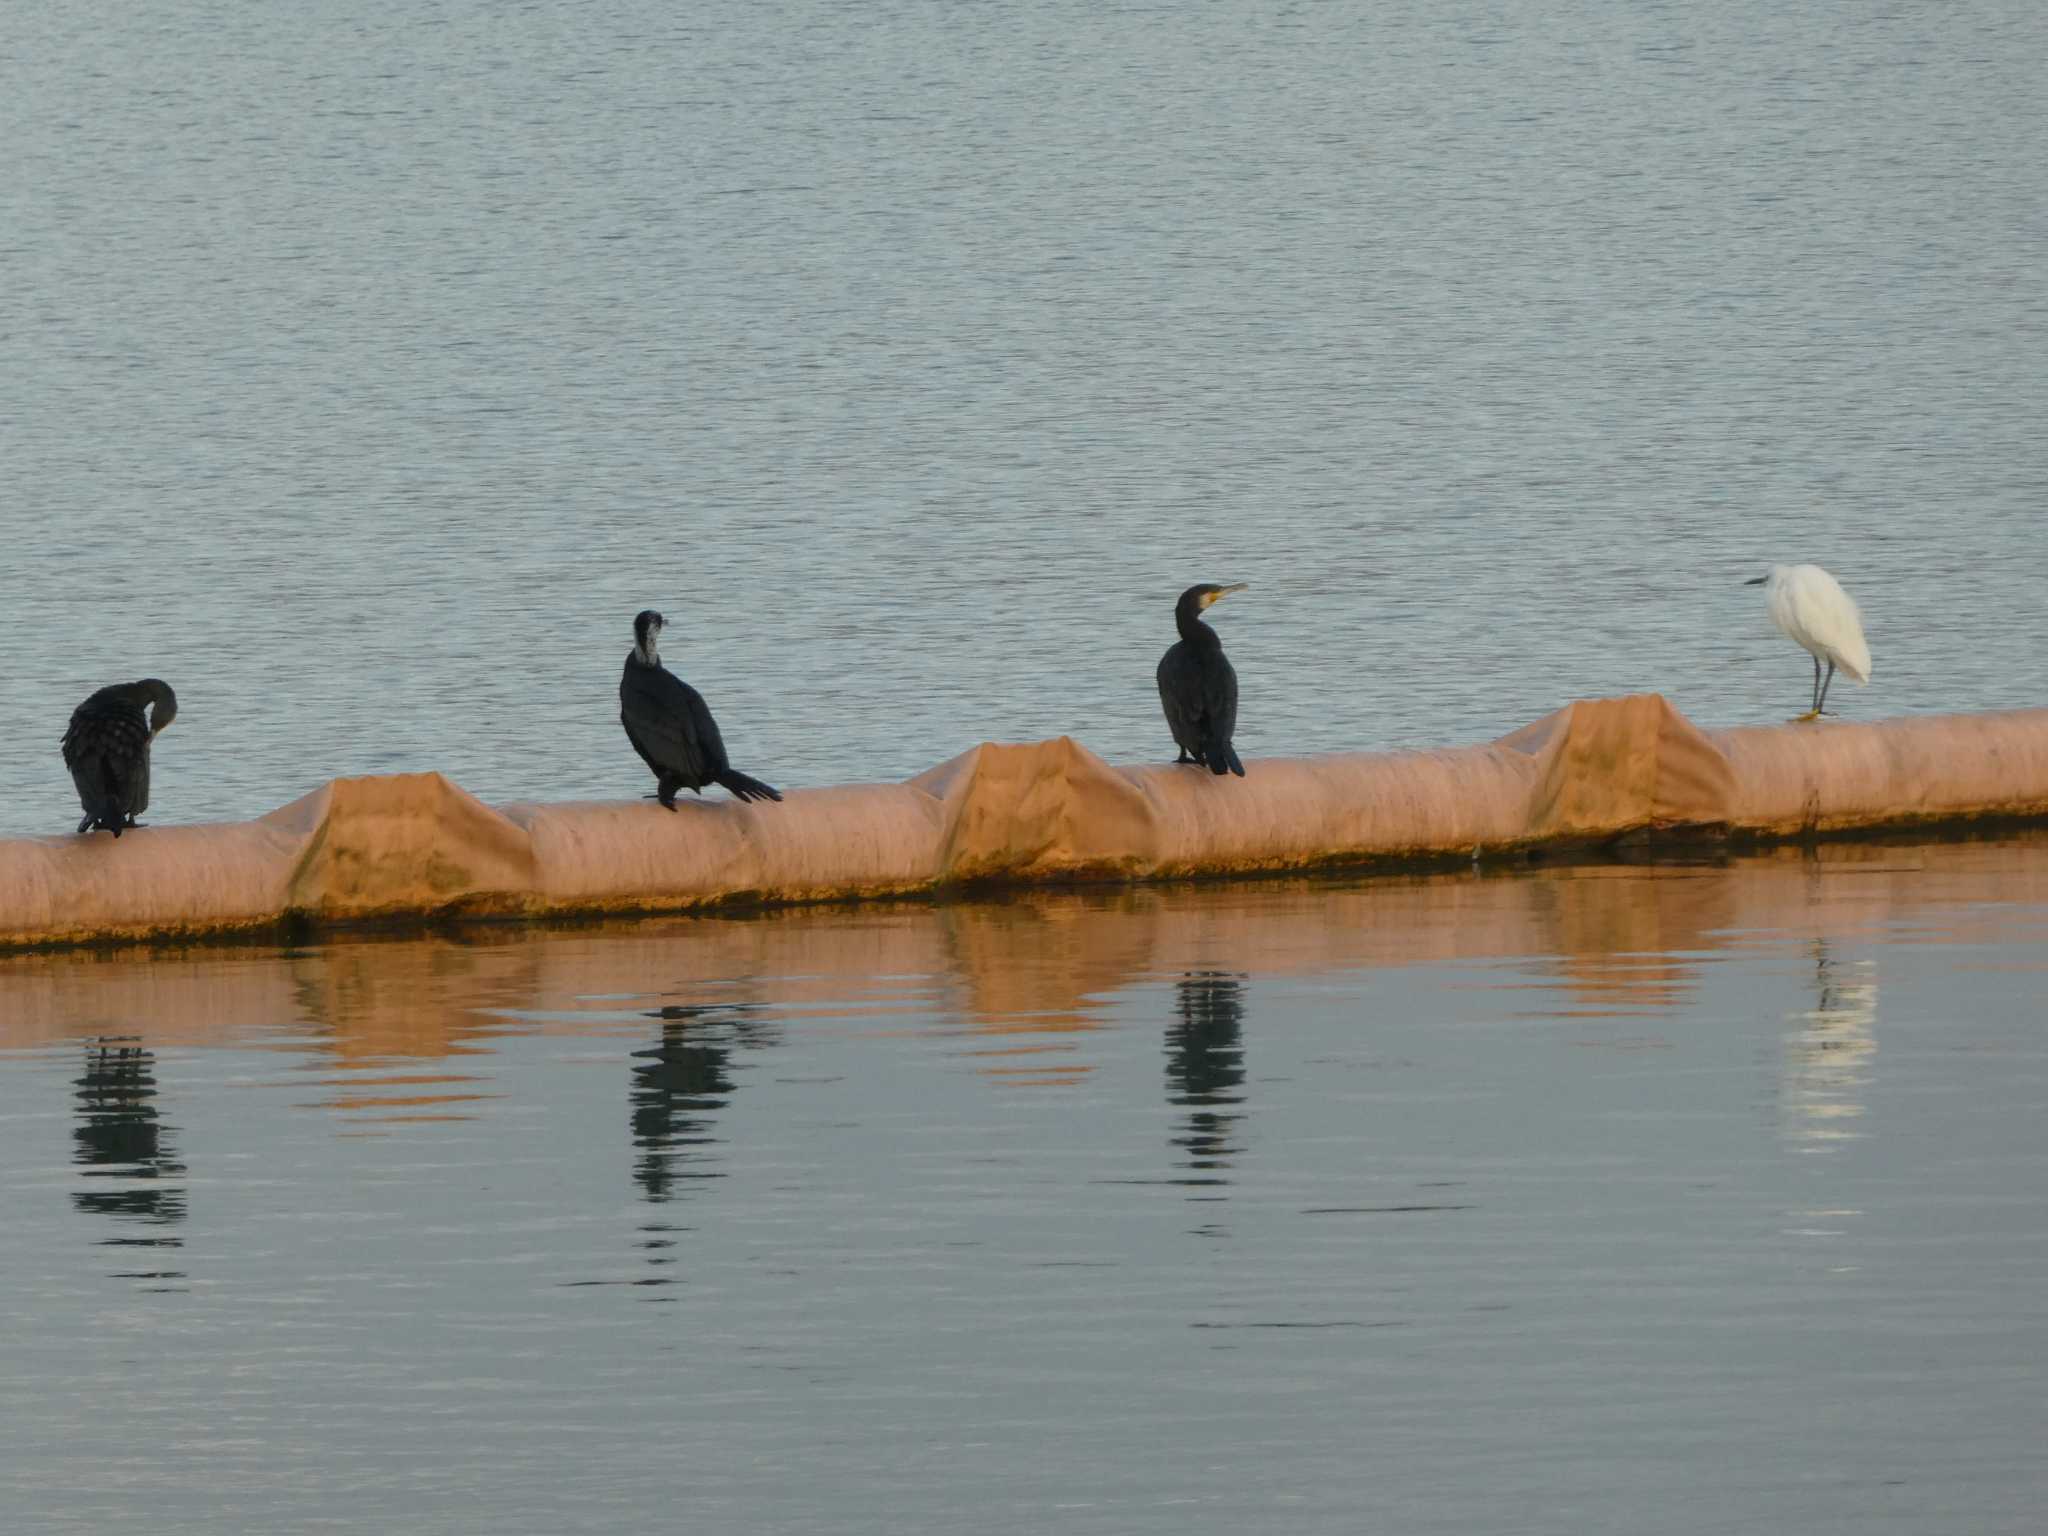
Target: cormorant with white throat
{"x": 671, "y": 728}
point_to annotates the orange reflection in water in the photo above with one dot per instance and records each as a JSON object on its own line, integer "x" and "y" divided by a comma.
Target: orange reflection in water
{"x": 1029, "y": 974}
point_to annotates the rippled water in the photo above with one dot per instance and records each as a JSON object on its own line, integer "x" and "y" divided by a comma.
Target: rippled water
{"x": 367, "y": 365}
{"x": 1606, "y": 1199}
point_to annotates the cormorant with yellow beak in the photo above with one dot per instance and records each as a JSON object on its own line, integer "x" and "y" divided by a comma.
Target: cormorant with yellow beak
{"x": 1198, "y": 686}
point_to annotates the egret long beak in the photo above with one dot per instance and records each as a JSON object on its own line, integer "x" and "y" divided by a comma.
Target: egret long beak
{"x": 1756, "y": 581}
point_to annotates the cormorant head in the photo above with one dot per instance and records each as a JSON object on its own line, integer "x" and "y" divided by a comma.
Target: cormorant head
{"x": 163, "y": 703}
{"x": 1195, "y": 599}
{"x": 646, "y": 628}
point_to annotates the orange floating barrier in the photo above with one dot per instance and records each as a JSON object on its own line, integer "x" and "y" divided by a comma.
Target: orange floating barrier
{"x": 1598, "y": 771}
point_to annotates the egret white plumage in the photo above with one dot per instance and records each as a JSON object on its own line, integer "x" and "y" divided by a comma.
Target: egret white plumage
{"x": 1810, "y": 606}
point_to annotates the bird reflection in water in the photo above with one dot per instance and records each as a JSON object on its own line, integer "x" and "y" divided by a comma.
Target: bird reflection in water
{"x": 1828, "y": 1052}
{"x": 1205, "y": 1071}
{"x": 678, "y": 1084}
{"x": 122, "y": 1144}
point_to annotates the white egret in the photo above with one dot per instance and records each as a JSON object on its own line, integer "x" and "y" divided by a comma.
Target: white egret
{"x": 1809, "y": 605}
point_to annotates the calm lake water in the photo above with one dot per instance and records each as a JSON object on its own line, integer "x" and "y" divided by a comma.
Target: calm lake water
{"x": 365, "y": 366}
{"x": 1703, "y": 1199}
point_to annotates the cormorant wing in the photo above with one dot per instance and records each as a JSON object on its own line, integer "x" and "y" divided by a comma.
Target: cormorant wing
{"x": 138, "y": 784}
{"x": 664, "y": 719}
{"x": 1199, "y": 694}
{"x": 1219, "y": 697}
{"x": 106, "y": 747}
{"x": 709, "y": 742}
{"x": 1180, "y": 696}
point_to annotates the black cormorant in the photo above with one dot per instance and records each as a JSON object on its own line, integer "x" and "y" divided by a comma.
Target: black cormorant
{"x": 670, "y": 727}
{"x": 106, "y": 748}
{"x": 1197, "y": 686}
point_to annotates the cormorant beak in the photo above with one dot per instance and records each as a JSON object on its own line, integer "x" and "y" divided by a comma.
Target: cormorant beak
{"x": 1222, "y": 592}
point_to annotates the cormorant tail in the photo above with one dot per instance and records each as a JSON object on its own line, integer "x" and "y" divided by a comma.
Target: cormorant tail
{"x": 101, "y": 811}
{"x": 1221, "y": 758}
{"x": 746, "y": 788}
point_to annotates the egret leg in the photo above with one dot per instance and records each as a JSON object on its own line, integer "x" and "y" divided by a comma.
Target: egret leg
{"x": 1821, "y": 703}
{"x": 1813, "y": 713}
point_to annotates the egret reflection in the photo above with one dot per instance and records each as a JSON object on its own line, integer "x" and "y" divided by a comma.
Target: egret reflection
{"x": 1205, "y": 1070}
{"x": 1828, "y": 1052}
{"x": 123, "y": 1147}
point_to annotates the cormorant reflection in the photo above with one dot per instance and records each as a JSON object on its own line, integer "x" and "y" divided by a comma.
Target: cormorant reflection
{"x": 121, "y": 1140}
{"x": 1205, "y": 1069}
{"x": 677, "y": 1085}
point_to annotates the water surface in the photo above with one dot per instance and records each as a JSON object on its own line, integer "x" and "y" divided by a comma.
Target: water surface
{"x": 1690, "y": 1199}
{"x": 365, "y": 366}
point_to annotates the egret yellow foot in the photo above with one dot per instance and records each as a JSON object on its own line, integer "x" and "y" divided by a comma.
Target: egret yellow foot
{"x": 1811, "y": 714}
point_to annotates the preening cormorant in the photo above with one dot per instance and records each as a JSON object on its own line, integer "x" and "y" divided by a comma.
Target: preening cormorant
{"x": 670, "y": 727}
{"x": 106, "y": 747}
{"x": 1198, "y": 687}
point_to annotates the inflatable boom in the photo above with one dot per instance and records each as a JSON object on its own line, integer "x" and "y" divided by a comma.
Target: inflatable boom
{"x": 1599, "y": 771}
